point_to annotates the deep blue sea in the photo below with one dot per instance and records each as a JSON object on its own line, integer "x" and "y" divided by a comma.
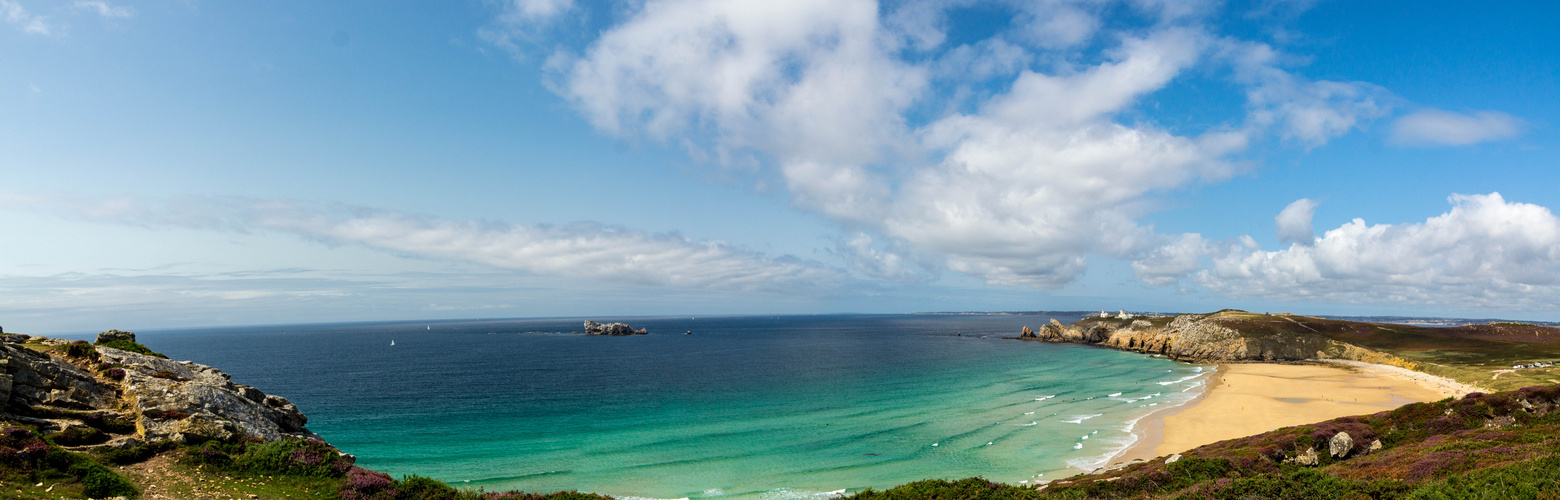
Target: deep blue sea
{"x": 771, "y": 407}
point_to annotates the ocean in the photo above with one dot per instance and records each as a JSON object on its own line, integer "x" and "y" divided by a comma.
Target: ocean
{"x": 783, "y": 407}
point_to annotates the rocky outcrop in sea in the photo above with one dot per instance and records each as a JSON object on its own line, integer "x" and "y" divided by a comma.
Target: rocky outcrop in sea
{"x": 62, "y": 385}
{"x": 594, "y": 328}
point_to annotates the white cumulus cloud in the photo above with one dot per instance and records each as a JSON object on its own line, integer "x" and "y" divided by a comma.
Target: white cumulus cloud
{"x": 1485, "y": 252}
{"x": 1294, "y": 222}
{"x": 1038, "y": 161}
{"x": 1436, "y": 127}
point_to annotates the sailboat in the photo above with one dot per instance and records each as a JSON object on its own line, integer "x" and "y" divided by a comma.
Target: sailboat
{"x": 430, "y": 327}
{"x": 392, "y": 343}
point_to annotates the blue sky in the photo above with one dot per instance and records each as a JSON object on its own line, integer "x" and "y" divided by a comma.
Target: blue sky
{"x": 169, "y": 164}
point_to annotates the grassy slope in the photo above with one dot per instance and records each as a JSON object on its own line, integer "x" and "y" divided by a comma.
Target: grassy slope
{"x": 1446, "y": 449}
{"x": 1468, "y": 354}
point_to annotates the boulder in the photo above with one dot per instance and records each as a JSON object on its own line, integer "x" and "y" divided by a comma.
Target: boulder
{"x": 1375, "y": 446}
{"x": 1340, "y": 445}
{"x": 113, "y": 335}
{"x": 1027, "y": 334}
{"x": 1307, "y": 458}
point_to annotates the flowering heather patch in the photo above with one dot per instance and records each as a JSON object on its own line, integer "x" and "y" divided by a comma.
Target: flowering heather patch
{"x": 364, "y": 484}
{"x": 116, "y": 373}
{"x": 306, "y": 456}
{"x": 295, "y": 457}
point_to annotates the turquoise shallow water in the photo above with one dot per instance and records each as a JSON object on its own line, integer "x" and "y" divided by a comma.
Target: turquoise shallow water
{"x": 773, "y": 407}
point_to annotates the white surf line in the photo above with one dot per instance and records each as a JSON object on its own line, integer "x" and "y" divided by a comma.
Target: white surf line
{"x": 1137, "y": 434}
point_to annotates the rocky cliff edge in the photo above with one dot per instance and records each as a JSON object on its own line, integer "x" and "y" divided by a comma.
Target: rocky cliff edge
{"x": 62, "y": 385}
{"x": 1228, "y": 335}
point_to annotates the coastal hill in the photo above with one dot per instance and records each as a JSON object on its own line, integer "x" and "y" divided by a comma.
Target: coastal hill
{"x": 1482, "y": 355}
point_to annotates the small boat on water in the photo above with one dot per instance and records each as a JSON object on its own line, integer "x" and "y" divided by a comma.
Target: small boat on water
{"x": 392, "y": 343}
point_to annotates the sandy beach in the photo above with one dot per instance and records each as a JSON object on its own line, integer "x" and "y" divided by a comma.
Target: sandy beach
{"x": 1251, "y": 398}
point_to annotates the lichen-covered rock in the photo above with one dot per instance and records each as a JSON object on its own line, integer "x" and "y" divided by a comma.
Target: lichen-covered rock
{"x": 1308, "y": 458}
{"x": 166, "y": 399}
{"x": 1340, "y": 445}
{"x": 40, "y": 379}
{"x": 178, "y": 399}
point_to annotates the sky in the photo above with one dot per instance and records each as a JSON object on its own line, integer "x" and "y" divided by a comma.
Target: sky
{"x": 190, "y": 163}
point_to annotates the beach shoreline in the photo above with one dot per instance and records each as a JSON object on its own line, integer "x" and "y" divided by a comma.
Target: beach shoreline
{"x": 1242, "y": 399}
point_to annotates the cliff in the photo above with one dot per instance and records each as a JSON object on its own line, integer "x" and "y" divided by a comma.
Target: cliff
{"x": 1222, "y": 336}
{"x": 61, "y": 385}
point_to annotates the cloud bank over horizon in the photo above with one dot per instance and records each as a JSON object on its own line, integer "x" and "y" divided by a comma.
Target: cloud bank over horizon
{"x": 909, "y": 155}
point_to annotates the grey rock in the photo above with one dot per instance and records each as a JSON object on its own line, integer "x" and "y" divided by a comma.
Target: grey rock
{"x": 113, "y": 335}
{"x": 1173, "y": 459}
{"x": 1340, "y": 445}
{"x": 1500, "y": 422}
{"x": 594, "y": 328}
{"x": 1309, "y": 458}
{"x": 41, "y": 379}
{"x": 200, "y": 401}
{"x": 1375, "y": 446}
{"x": 168, "y": 399}
{"x": 5, "y": 389}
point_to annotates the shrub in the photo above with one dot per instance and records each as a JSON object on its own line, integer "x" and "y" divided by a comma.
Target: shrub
{"x": 295, "y": 457}
{"x": 364, "y": 484}
{"x": 940, "y": 489}
{"x": 422, "y": 488}
{"x": 77, "y": 436}
{"x": 116, "y": 373}
{"x": 134, "y": 454}
{"x": 132, "y": 346}
{"x": 98, "y": 481}
{"x": 79, "y": 350}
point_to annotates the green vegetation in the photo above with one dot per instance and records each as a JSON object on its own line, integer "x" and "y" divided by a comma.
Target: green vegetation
{"x": 1480, "y": 355}
{"x": 132, "y": 346}
{"x": 1494, "y": 446}
{"x": 29, "y": 459}
{"x": 938, "y": 489}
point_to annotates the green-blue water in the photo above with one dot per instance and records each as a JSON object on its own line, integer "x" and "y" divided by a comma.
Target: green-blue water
{"x": 784, "y": 407}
